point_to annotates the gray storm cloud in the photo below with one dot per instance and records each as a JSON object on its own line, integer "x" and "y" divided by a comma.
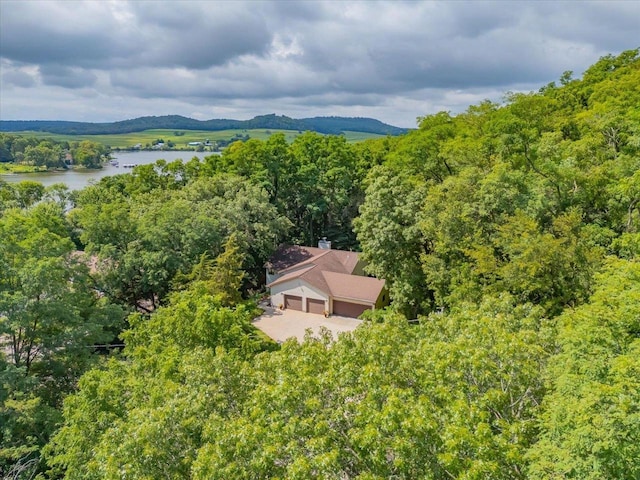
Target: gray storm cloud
{"x": 386, "y": 58}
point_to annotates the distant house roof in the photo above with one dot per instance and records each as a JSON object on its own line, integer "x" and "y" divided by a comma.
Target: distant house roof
{"x": 330, "y": 271}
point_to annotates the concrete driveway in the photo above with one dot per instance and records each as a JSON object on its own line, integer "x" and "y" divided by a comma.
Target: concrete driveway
{"x": 283, "y": 324}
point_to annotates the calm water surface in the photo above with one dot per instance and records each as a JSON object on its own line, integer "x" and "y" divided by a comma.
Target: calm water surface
{"x": 78, "y": 179}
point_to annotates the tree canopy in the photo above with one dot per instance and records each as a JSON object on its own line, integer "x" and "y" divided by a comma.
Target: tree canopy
{"x": 509, "y": 238}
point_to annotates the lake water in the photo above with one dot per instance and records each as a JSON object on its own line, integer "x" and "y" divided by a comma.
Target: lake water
{"x": 78, "y": 179}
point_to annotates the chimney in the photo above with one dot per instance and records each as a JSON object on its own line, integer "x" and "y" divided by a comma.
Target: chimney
{"x": 324, "y": 243}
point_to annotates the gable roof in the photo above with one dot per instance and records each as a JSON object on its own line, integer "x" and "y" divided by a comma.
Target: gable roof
{"x": 330, "y": 271}
{"x": 353, "y": 287}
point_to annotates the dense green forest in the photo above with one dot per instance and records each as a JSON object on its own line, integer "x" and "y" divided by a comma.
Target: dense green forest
{"x": 326, "y": 125}
{"x": 509, "y": 236}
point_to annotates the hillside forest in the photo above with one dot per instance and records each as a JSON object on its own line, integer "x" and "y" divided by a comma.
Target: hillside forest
{"x": 326, "y": 125}
{"x": 509, "y": 237}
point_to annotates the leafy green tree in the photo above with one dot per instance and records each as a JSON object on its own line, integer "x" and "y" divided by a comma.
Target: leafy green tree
{"x": 49, "y": 320}
{"x": 88, "y": 154}
{"x": 486, "y": 235}
{"x": 146, "y": 412}
{"x": 27, "y": 193}
{"x": 45, "y": 154}
{"x": 314, "y": 182}
{"x": 382, "y": 402}
{"x": 389, "y": 234}
{"x": 19, "y": 145}
{"x": 226, "y": 275}
{"x": 590, "y": 422}
{"x": 387, "y": 402}
{"x": 321, "y": 189}
{"x": 59, "y": 193}
{"x": 7, "y": 196}
{"x": 145, "y": 240}
{"x": 421, "y": 152}
{"x": 6, "y": 141}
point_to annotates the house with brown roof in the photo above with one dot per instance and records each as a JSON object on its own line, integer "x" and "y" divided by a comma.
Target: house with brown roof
{"x": 322, "y": 280}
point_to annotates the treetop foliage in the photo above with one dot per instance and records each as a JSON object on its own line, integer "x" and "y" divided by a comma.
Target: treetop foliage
{"x": 509, "y": 238}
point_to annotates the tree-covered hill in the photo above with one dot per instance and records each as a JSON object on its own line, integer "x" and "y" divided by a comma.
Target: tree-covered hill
{"x": 509, "y": 237}
{"x": 325, "y": 125}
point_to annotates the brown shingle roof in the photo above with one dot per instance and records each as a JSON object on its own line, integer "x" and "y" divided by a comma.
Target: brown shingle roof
{"x": 288, "y": 255}
{"x": 353, "y": 287}
{"x": 330, "y": 271}
{"x": 348, "y": 259}
{"x": 291, "y": 275}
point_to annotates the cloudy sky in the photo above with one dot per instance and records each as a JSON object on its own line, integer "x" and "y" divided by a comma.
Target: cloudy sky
{"x": 112, "y": 60}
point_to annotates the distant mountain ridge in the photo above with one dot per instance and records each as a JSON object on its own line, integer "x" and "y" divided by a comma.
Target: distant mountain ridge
{"x": 327, "y": 125}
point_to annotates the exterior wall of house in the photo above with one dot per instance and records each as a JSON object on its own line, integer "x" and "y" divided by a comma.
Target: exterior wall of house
{"x": 350, "y": 309}
{"x": 381, "y": 302}
{"x": 271, "y": 276}
{"x": 298, "y": 288}
{"x": 358, "y": 302}
{"x": 383, "y": 299}
{"x": 359, "y": 269}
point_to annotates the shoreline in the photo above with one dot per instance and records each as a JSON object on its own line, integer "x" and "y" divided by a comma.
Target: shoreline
{"x": 54, "y": 170}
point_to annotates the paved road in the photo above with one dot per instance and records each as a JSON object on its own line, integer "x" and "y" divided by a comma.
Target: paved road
{"x": 283, "y": 324}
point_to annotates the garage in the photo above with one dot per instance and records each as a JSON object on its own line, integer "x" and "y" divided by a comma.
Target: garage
{"x": 292, "y": 302}
{"x": 346, "y": 309}
{"x": 315, "y": 306}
